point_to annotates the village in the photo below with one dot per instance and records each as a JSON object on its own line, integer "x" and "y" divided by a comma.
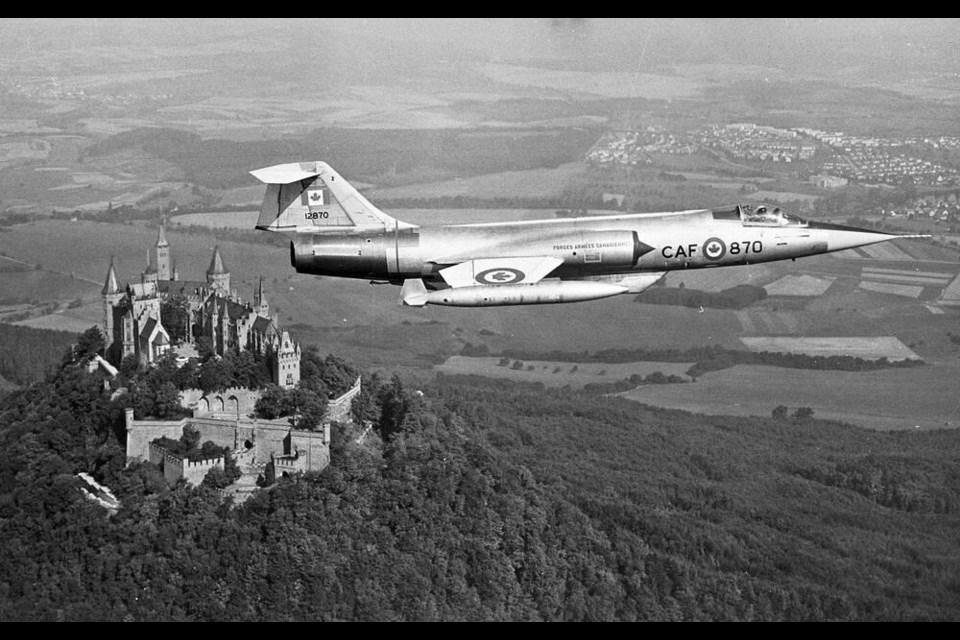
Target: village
{"x": 836, "y": 155}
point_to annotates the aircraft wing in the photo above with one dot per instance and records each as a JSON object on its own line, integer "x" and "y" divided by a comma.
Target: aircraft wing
{"x": 497, "y": 271}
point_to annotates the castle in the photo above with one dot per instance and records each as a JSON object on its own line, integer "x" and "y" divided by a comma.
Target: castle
{"x": 133, "y": 324}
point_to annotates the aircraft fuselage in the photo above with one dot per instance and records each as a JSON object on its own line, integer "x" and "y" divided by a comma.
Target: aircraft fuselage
{"x": 590, "y": 246}
{"x": 336, "y": 231}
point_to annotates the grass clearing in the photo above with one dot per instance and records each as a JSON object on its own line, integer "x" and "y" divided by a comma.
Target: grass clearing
{"x": 904, "y": 290}
{"x": 803, "y": 285}
{"x": 558, "y": 374}
{"x": 868, "y": 348}
{"x": 890, "y": 399}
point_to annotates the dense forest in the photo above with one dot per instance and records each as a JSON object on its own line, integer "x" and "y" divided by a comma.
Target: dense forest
{"x": 360, "y": 152}
{"x": 475, "y": 499}
{"x": 28, "y": 354}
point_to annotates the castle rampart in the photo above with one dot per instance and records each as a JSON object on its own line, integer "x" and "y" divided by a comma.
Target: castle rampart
{"x": 267, "y": 438}
{"x": 338, "y": 409}
{"x": 175, "y": 467}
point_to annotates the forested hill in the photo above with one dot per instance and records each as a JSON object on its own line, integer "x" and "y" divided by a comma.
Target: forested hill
{"x": 489, "y": 500}
{"x": 27, "y": 355}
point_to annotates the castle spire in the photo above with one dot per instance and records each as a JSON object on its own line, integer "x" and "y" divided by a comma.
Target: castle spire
{"x": 217, "y": 275}
{"x": 260, "y": 300}
{"x": 111, "y": 287}
{"x": 162, "y": 236}
{"x": 216, "y": 264}
{"x": 163, "y": 255}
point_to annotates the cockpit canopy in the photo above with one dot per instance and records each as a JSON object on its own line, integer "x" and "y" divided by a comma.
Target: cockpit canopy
{"x": 759, "y": 216}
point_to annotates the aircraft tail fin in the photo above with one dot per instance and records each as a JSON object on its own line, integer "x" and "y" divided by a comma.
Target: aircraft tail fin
{"x": 310, "y": 197}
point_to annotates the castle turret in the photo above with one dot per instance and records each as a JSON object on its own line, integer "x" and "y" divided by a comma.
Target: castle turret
{"x": 163, "y": 256}
{"x": 287, "y": 362}
{"x": 217, "y": 275}
{"x": 111, "y": 298}
{"x": 260, "y": 305}
{"x": 149, "y": 276}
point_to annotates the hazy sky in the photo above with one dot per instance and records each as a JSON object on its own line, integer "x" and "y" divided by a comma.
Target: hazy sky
{"x": 884, "y": 45}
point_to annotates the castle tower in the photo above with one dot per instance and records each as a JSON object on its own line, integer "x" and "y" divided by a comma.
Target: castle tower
{"x": 260, "y": 305}
{"x": 287, "y": 363}
{"x": 214, "y": 324}
{"x": 224, "y": 328}
{"x": 111, "y": 298}
{"x": 217, "y": 275}
{"x": 149, "y": 276}
{"x": 163, "y": 256}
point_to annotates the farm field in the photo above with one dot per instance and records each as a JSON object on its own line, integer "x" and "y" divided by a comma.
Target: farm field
{"x": 528, "y": 183}
{"x": 803, "y": 285}
{"x": 216, "y": 220}
{"x": 926, "y": 397}
{"x": 545, "y": 371}
{"x": 606, "y": 84}
{"x": 720, "y": 279}
{"x": 783, "y": 196}
{"x": 905, "y": 290}
{"x": 868, "y": 348}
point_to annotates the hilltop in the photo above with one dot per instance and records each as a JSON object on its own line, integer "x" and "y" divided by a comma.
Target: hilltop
{"x": 480, "y": 500}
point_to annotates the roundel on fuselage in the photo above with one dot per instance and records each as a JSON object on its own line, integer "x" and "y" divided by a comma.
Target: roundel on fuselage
{"x": 714, "y": 249}
{"x": 500, "y": 275}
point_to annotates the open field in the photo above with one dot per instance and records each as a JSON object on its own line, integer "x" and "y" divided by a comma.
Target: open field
{"x": 928, "y": 397}
{"x": 530, "y": 183}
{"x": 783, "y": 196}
{"x": 359, "y": 106}
{"x": 720, "y": 279}
{"x": 951, "y": 294}
{"x": 803, "y": 285}
{"x": 606, "y": 84}
{"x": 760, "y": 321}
{"x": 545, "y": 371}
{"x": 870, "y": 348}
{"x": 216, "y": 220}
{"x": 75, "y": 320}
{"x": 905, "y": 290}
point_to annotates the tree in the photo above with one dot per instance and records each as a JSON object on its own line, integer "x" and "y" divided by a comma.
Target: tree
{"x": 307, "y": 407}
{"x": 175, "y": 316}
{"x": 190, "y": 437}
{"x": 216, "y": 374}
{"x": 272, "y": 403}
{"x": 166, "y": 402}
{"x": 89, "y": 344}
{"x": 393, "y": 408}
{"x": 249, "y": 369}
{"x": 780, "y": 412}
{"x": 802, "y": 414}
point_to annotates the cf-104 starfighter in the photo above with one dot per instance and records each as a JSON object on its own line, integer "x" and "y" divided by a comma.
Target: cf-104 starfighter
{"x": 335, "y": 231}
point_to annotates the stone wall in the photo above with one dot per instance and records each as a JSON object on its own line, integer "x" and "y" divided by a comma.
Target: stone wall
{"x": 175, "y": 467}
{"x": 140, "y": 433}
{"x": 338, "y": 410}
{"x": 235, "y": 402}
{"x": 266, "y": 439}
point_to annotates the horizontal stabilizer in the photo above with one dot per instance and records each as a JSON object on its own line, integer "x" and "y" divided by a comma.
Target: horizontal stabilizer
{"x": 286, "y": 173}
{"x": 500, "y": 271}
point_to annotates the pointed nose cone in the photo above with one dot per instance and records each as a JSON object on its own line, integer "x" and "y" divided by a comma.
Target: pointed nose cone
{"x": 840, "y": 237}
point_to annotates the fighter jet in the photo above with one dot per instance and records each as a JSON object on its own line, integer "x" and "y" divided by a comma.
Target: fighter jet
{"x": 335, "y": 231}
